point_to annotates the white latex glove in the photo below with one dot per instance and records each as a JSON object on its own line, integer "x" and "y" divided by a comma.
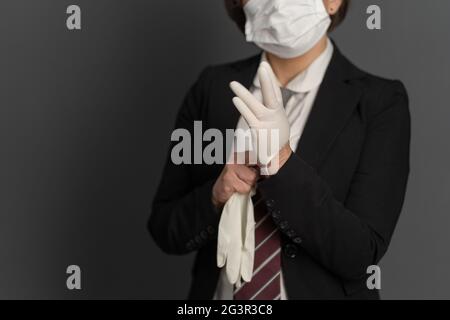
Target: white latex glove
{"x": 268, "y": 121}
{"x": 236, "y": 238}
{"x": 248, "y": 248}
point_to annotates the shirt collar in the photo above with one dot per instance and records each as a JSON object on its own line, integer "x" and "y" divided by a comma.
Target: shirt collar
{"x": 310, "y": 78}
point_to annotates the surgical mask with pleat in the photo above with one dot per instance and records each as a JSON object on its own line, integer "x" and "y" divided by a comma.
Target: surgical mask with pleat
{"x": 286, "y": 28}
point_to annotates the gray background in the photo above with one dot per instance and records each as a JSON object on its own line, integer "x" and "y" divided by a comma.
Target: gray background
{"x": 85, "y": 120}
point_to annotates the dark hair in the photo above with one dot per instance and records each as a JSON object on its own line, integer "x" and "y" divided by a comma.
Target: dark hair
{"x": 339, "y": 16}
{"x": 235, "y": 11}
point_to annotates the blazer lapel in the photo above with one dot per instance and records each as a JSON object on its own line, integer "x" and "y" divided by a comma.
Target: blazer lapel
{"x": 335, "y": 102}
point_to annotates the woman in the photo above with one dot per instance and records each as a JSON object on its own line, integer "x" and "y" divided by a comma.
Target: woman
{"x": 330, "y": 209}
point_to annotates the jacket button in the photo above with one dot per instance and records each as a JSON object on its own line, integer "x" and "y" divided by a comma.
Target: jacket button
{"x": 297, "y": 240}
{"x": 283, "y": 225}
{"x": 198, "y": 240}
{"x": 210, "y": 229}
{"x": 190, "y": 245}
{"x": 204, "y": 235}
{"x": 290, "y": 233}
{"x": 276, "y": 214}
{"x": 270, "y": 203}
{"x": 290, "y": 251}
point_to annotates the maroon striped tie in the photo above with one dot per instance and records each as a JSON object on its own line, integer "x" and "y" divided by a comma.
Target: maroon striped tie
{"x": 265, "y": 284}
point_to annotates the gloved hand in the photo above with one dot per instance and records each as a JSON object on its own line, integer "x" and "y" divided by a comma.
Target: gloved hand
{"x": 236, "y": 238}
{"x": 268, "y": 121}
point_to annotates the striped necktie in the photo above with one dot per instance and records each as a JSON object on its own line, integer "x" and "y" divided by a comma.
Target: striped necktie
{"x": 265, "y": 284}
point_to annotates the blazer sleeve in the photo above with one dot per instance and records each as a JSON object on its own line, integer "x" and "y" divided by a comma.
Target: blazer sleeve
{"x": 183, "y": 217}
{"x": 348, "y": 237}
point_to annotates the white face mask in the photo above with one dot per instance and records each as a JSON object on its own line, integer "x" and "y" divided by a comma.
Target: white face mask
{"x": 286, "y": 28}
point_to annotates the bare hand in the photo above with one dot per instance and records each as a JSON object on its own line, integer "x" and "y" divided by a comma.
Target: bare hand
{"x": 234, "y": 178}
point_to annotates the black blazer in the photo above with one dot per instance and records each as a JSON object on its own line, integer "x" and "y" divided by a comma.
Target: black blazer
{"x": 336, "y": 200}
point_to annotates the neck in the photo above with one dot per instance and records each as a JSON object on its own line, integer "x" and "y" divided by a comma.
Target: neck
{"x": 288, "y": 69}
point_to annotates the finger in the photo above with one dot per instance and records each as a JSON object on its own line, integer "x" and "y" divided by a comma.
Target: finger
{"x": 248, "y": 98}
{"x": 241, "y": 186}
{"x": 268, "y": 94}
{"x": 245, "y": 111}
{"x": 221, "y": 250}
{"x": 269, "y": 86}
{"x": 248, "y": 175}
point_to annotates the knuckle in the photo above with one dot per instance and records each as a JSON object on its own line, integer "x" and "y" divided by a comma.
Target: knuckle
{"x": 227, "y": 179}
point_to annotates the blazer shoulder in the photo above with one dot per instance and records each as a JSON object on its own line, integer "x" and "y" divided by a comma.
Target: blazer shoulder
{"x": 380, "y": 94}
{"x": 371, "y": 84}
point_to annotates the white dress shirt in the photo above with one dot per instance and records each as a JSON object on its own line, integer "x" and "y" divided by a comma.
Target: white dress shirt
{"x": 298, "y": 96}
